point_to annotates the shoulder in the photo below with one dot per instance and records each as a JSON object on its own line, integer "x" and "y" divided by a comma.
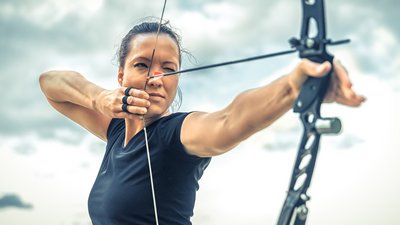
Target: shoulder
{"x": 170, "y": 129}
{"x": 170, "y": 126}
{"x": 174, "y": 119}
{"x": 208, "y": 134}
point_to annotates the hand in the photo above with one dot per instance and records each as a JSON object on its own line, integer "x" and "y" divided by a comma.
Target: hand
{"x": 110, "y": 103}
{"x": 340, "y": 88}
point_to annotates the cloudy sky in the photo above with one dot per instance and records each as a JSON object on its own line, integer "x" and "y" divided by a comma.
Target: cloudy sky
{"x": 48, "y": 164}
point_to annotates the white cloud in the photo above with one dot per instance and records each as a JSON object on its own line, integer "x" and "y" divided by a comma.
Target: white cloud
{"x": 56, "y": 176}
{"x": 247, "y": 186}
{"x": 48, "y": 12}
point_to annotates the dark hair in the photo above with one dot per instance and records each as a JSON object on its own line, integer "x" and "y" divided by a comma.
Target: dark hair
{"x": 148, "y": 28}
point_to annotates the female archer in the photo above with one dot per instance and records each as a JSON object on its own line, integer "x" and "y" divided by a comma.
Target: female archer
{"x": 134, "y": 120}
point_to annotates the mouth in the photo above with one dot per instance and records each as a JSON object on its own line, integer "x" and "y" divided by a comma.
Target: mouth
{"x": 157, "y": 95}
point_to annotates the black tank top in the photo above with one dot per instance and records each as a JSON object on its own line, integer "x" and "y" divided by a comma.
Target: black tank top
{"x": 121, "y": 194}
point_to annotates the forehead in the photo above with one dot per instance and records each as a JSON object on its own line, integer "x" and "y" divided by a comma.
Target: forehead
{"x": 144, "y": 44}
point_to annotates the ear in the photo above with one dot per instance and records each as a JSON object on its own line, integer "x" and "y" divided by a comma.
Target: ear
{"x": 120, "y": 75}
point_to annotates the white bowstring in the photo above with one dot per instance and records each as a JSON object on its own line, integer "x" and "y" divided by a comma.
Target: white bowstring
{"x": 144, "y": 123}
{"x": 150, "y": 172}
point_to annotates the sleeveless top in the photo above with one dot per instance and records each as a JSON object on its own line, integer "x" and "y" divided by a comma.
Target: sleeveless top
{"x": 121, "y": 194}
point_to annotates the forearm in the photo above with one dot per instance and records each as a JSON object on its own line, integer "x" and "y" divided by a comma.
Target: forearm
{"x": 69, "y": 86}
{"x": 258, "y": 108}
{"x": 209, "y": 134}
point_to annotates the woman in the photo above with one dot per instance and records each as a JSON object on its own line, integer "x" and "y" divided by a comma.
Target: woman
{"x": 181, "y": 144}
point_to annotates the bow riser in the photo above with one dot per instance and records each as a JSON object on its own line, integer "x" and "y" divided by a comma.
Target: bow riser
{"x": 313, "y": 47}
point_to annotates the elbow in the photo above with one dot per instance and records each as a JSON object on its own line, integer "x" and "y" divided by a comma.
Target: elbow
{"x": 43, "y": 80}
{"x": 49, "y": 81}
{"x": 46, "y": 78}
{"x": 53, "y": 78}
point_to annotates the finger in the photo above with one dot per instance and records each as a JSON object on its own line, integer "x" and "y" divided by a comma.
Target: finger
{"x": 308, "y": 67}
{"x": 332, "y": 90}
{"x": 125, "y": 99}
{"x": 342, "y": 75}
{"x": 349, "y": 97}
{"x": 354, "y": 102}
{"x": 130, "y": 100}
{"x": 138, "y": 93}
{"x": 348, "y": 93}
{"x": 130, "y": 109}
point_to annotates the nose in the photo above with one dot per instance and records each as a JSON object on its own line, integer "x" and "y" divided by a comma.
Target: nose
{"x": 156, "y": 81}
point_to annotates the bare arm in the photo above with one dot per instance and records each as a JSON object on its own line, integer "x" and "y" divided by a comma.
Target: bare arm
{"x": 72, "y": 95}
{"x": 209, "y": 134}
{"x": 85, "y": 103}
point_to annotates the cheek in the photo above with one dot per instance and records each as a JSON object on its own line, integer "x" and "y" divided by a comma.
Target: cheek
{"x": 171, "y": 86}
{"x": 134, "y": 80}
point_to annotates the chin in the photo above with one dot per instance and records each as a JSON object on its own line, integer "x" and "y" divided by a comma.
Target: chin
{"x": 156, "y": 112}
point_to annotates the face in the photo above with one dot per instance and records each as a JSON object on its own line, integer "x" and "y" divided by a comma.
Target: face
{"x": 162, "y": 90}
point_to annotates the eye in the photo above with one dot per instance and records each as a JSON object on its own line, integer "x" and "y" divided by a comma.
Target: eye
{"x": 140, "y": 65}
{"x": 169, "y": 69}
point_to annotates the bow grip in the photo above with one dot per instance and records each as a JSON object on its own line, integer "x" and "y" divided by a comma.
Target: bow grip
{"x": 313, "y": 89}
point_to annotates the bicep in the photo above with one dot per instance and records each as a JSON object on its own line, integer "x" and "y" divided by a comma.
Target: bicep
{"x": 207, "y": 134}
{"x": 91, "y": 120}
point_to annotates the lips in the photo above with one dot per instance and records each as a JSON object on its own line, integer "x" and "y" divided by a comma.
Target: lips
{"x": 156, "y": 95}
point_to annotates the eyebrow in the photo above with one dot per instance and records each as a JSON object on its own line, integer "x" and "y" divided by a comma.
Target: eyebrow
{"x": 170, "y": 62}
{"x": 140, "y": 58}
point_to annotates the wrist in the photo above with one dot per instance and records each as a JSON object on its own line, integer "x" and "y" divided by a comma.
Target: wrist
{"x": 97, "y": 100}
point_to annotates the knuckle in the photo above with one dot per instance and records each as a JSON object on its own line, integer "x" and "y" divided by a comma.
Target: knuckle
{"x": 143, "y": 102}
{"x": 135, "y": 92}
{"x": 142, "y": 94}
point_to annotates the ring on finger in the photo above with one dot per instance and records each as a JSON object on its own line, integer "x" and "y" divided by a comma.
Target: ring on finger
{"x": 125, "y": 99}
{"x": 127, "y": 90}
{"x": 125, "y": 108}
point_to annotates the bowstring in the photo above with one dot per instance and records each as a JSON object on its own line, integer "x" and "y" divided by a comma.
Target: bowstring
{"x": 144, "y": 122}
